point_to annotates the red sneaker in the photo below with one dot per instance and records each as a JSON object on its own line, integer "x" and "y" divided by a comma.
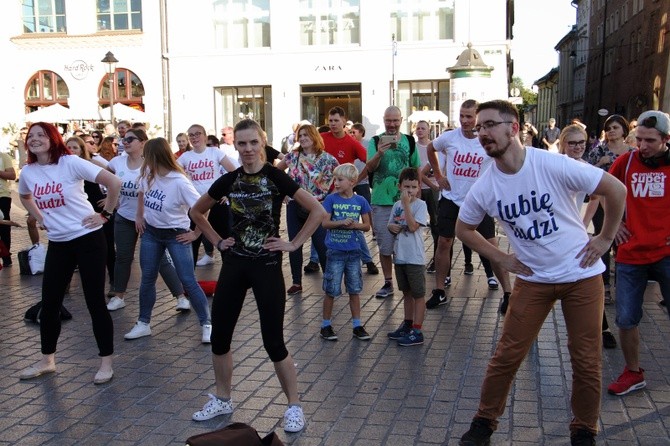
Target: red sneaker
{"x": 627, "y": 382}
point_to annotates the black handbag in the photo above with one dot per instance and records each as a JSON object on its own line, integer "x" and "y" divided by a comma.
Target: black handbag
{"x": 235, "y": 434}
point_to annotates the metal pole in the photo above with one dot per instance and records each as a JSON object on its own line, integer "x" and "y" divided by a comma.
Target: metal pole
{"x": 394, "y": 82}
{"x": 111, "y": 96}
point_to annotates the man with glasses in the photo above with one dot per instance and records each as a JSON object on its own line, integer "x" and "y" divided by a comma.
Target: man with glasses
{"x": 643, "y": 238}
{"x": 532, "y": 194}
{"x": 386, "y": 158}
{"x": 122, "y": 127}
{"x": 464, "y": 160}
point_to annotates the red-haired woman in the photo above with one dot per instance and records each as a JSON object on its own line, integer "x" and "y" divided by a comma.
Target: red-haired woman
{"x": 51, "y": 190}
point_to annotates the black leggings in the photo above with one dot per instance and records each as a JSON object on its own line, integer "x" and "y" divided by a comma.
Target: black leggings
{"x": 89, "y": 252}
{"x": 264, "y": 276}
{"x": 5, "y": 230}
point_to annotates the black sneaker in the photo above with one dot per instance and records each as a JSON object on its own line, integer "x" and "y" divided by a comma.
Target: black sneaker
{"x": 7, "y": 261}
{"x": 385, "y": 291}
{"x": 438, "y": 298}
{"x": 400, "y": 332}
{"x": 328, "y": 333}
{"x": 479, "y": 434}
{"x": 504, "y": 303}
{"x": 582, "y": 437}
{"x": 372, "y": 268}
{"x": 361, "y": 334}
{"x": 469, "y": 269}
{"x": 430, "y": 269}
{"x": 311, "y": 267}
{"x": 609, "y": 341}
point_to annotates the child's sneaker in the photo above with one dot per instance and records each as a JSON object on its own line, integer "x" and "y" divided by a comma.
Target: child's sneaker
{"x": 400, "y": 332}
{"x": 328, "y": 333}
{"x": 294, "y": 419}
{"x": 361, "y": 334}
{"x": 213, "y": 408}
{"x": 414, "y": 337}
{"x": 385, "y": 291}
{"x": 627, "y": 382}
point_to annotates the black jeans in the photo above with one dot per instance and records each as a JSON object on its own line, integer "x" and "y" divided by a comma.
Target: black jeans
{"x": 264, "y": 276}
{"x": 6, "y": 231}
{"x": 89, "y": 252}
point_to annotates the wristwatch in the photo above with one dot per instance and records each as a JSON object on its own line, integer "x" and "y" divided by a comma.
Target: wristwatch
{"x": 106, "y": 214}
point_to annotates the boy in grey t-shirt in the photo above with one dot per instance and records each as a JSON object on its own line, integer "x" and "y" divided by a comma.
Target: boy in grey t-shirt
{"x": 409, "y": 217}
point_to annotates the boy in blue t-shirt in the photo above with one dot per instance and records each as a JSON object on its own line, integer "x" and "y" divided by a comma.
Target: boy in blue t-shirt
{"x": 343, "y": 227}
{"x": 408, "y": 218}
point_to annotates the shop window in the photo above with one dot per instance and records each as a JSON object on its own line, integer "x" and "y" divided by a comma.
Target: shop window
{"x": 421, "y": 96}
{"x": 329, "y": 22}
{"x": 242, "y": 23}
{"x": 413, "y": 21}
{"x": 44, "y": 16}
{"x": 128, "y": 89}
{"x": 45, "y": 88}
{"x": 234, "y": 104}
{"x": 119, "y": 15}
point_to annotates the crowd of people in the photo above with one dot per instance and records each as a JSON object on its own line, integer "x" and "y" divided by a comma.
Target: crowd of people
{"x": 228, "y": 195}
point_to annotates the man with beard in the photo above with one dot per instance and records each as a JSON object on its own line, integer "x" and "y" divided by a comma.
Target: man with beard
{"x": 532, "y": 193}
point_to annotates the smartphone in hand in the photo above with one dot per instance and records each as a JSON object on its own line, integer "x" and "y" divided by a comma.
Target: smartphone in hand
{"x": 393, "y": 139}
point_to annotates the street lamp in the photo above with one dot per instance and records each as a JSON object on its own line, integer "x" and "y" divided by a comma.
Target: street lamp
{"x": 111, "y": 62}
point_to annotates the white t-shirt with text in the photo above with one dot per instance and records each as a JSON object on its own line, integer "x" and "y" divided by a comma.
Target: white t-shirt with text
{"x": 129, "y": 186}
{"x": 58, "y": 191}
{"x": 466, "y": 160}
{"x": 536, "y": 208}
{"x": 202, "y": 168}
{"x": 167, "y": 201}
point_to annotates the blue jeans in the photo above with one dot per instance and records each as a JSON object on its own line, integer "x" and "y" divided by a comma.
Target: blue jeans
{"x": 343, "y": 263}
{"x": 631, "y": 282}
{"x": 293, "y": 226}
{"x": 152, "y": 249}
{"x": 125, "y": 236}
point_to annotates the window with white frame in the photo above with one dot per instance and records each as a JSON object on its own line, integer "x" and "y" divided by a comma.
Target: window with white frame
{"x": 43, "y": 16}
{"x": 329, "y": 22}
{"x": 119, "y": 15}
{"x": 242, "y": 23}
{"x": 421, "y": 20}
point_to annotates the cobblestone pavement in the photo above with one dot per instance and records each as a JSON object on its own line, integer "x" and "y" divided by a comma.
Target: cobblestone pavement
{"x": 354, "y": 392}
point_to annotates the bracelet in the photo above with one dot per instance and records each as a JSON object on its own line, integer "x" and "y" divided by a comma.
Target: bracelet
{"x": 106, "y": 214}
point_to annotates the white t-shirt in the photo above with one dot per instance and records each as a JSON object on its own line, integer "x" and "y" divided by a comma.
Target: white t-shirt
{"x": 99, "y": 159}
{"x": 408, "y": 247}
{"x": 58, "y": 191}
{"x": 536, "y": 207}
{"x": 231, "y": 153}
{"x": 466, "y": 161}
{"x": 202, "y": 168}
{"x": 167, "y": 201}
{"x": 129, "y": 186}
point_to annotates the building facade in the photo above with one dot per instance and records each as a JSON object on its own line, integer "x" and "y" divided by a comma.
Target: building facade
{"x": 628, "y": 59}
{"x": 215, "y": 62}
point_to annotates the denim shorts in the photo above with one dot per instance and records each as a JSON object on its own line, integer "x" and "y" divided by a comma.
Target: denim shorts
{"x": 631, "y": 283}
{"x": 345, "y": 264}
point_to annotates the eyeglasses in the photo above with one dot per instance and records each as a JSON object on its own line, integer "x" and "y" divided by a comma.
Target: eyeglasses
{"x": 490, "y": 124}
{"x": 89, "y": 142}
{"x": 129, "y": 139}
{"x": 576, "y": 143}
{"x": 194, "y": 135}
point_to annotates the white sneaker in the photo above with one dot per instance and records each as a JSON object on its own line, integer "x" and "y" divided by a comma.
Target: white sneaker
{"x": 204, "y": 261}
{"x": 183, "y": 304}
{"x": 115, "y": 303}
{"x": 140, "y": 330}
{"x": 294, "y": 419}
{"x": 206, "y": 333}
{"x": 213, "y": 408}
